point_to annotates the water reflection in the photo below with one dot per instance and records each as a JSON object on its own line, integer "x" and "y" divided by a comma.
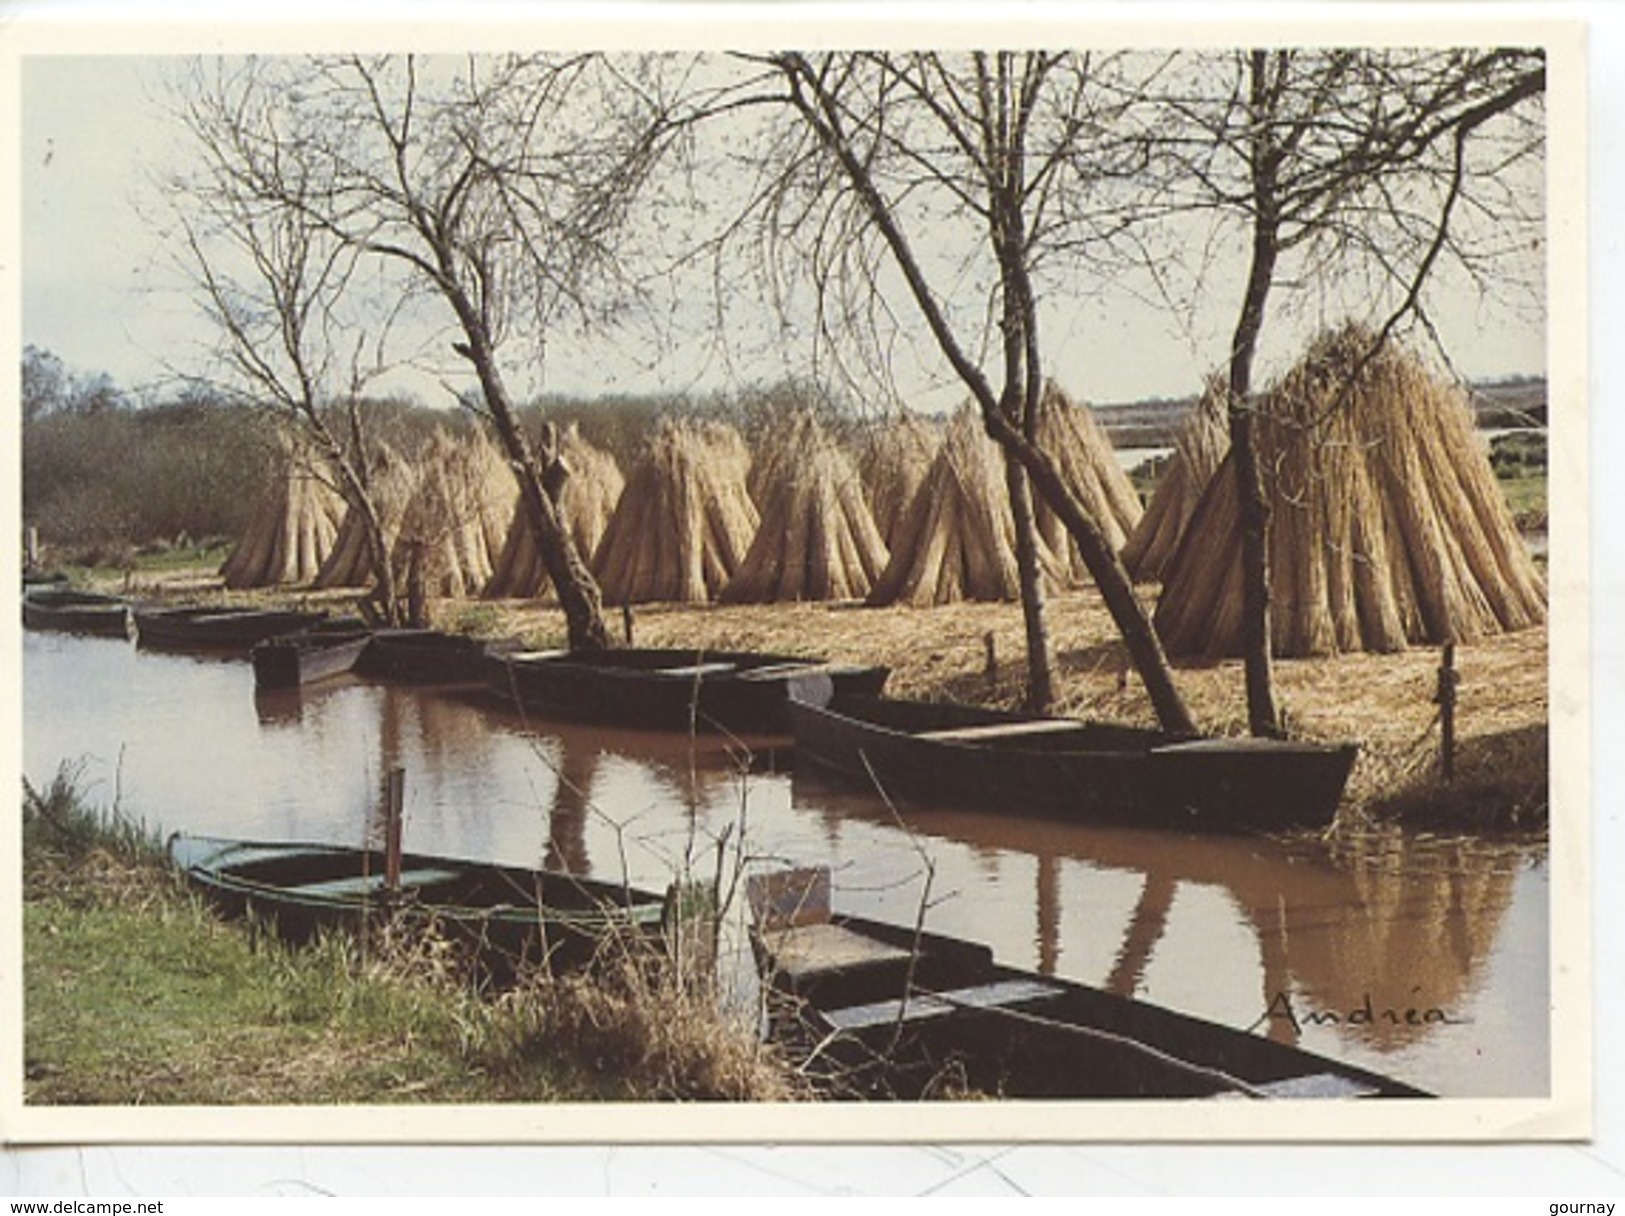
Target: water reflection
{"x": 1299, "y": 940}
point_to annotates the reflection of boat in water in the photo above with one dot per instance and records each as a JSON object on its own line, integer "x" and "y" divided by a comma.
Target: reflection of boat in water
{"x": 884, "y": 1011}
{"x": 1330, "y": 933}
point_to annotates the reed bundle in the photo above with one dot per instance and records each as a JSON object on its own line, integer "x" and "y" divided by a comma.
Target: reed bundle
{"x": 958, "y": 539}
{"x": 684, "y": 521}
{"x": 293, "y": 528}
{"x": 818, "y": 539}
{"x": 893, "y": 462}
{"x": 1388, "y": 525}
{"x": 1078, "y": 444}
{"x": 586, "y": 503}
{"x": 456, "y": 519}
{"x": 1199, "y": 448}
{"x": 349, "y": 563}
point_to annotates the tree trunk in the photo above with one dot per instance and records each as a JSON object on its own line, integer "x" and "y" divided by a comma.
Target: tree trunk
{"x": 578, "y": 592}
{"x": 1040, "y": 655}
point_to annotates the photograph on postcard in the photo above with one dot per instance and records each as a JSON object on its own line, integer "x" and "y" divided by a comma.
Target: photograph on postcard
{"x": 586, "y": 578}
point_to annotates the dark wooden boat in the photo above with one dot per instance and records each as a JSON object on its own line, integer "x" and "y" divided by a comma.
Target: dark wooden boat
{"x": 959, "y": 755}
{"x": 218, "y": 627}
{"x": 294, "y": 659}
{"x": 427, "y": 656}
{"x": 506, "y": 917}
{"x": 62, "y": 608}
{"x": 673, "y": 689}
{"x": 883, "y": 1011}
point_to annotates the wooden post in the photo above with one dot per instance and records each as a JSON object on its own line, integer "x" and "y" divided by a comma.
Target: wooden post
{"x": 1445, "y": 698}
{"x": 991, "y": 670}
{"x": 626, "y": 622}
{"x": 394, "y": 801}
{"x": 31, "y": 548}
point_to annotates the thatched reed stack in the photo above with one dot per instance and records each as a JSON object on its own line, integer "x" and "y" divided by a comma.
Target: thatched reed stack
{"x": 893, "y": 462}
{"x": 1078, "y": 444}
{"x": 818, "y": 539}
{"x": 1199, "y": 448}
{"x": 1388, "y": 529}
{"x": 684, "y": 521}
{"x": 349, "y": 564}
{"x": 293, "y": 528}
{"x": 958, "y": 540}
{"x": 457, "y": 518}
{"x": 586, "y": 503}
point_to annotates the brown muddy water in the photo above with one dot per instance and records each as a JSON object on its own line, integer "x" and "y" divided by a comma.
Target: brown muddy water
{"x": 1425, "y": 959}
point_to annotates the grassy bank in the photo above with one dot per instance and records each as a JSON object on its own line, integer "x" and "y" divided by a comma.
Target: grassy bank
{"x": 136, "y": 993}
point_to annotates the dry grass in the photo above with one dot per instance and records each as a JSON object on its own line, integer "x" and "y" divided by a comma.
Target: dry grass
{"x": 293, "y": 529}
{"x": 1199, "y": 449}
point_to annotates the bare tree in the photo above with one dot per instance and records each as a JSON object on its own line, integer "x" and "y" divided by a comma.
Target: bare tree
{"x": 1348, "y": 162}
{"x": 911, "y": 176}
{"x": 295, "y": 334}
{"x": 497, "y": 185}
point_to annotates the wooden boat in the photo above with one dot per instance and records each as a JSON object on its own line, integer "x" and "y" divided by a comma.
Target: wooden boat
{"x": 427, "y": 656}
{"x": 673, "y": 689}
{"x": 507, "y": 917}
{"x": 959, "y": 755}
{"x": 294, "y": 659}
{"x": 218, "y": 627}
{"x": 883, "y": 1011}
{"x": 62, "y": 608}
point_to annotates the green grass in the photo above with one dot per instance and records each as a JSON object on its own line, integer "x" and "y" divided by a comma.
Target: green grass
{"x": 1527, "y": 498}
{"x": 136, "y": 993}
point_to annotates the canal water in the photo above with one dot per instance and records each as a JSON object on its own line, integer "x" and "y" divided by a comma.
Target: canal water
{"x": 1423, "y": 959}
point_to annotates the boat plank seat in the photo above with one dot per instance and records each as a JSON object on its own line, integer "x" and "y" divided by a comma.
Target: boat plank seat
{"x": 821, "y": 949}
{"x": 934, "y": 1005}
{"x": 1000, "y": 730}
{"x": 372, "y": 884}
{"x": 698, "y": 669}
{"x": 775, "y": 671}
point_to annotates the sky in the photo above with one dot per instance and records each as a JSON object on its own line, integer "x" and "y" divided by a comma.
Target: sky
{"x": 102, "y": 292}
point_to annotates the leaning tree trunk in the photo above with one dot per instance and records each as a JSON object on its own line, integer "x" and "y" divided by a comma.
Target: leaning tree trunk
{"x": 578, "y": 592}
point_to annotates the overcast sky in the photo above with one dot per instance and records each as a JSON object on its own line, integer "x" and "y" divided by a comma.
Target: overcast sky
{"x": 101, "y": 292}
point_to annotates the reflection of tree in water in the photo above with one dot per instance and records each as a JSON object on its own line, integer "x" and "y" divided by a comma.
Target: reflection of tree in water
{"x": 1409, "y": 923}
{"x": 572, "y": 802}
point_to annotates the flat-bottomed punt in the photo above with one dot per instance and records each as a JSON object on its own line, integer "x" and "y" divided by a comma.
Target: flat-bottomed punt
{"x": 426, "y": 656}
{"x": 221, "y": 628}
{"x": 295, "y": 659}
{"x": 47, "y": 606}
{"x": 884, "y": 1012}
{"x": 673, "y": 689}
{"x": 507, "y": 916}
{"x": 1009, "y": 763}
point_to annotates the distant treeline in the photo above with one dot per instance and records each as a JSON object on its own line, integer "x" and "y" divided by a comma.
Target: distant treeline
{"x": 104, "y": 477}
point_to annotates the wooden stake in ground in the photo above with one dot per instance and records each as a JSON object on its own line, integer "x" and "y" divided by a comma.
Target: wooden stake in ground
{"x": 586, "y": 502}
{"x": 684, "y": 521}
{"x": 1199, "y": 448}
{"x": 292, "y": 530}
{"x": 817, "y": 539}
{"x": 958, "y": 540}
{"x": 1388, "y": 528}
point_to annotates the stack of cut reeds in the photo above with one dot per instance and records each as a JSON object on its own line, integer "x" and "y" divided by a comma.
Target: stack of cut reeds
{"x": 958, "y": 539}
{"x": 1388, "y": 525}
{"x": 349, "y": 564}
{"x": 1199, "y": 447}
{"x": 456, "y": 519}
{"x": 1078, "y": 444}
{"x": 684, "y": 521}
{"x": 293, "y": 528}
{"x": 817, "y": 539}
{"x": 893, "y": 461}
{"x": 586, "y": 502}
